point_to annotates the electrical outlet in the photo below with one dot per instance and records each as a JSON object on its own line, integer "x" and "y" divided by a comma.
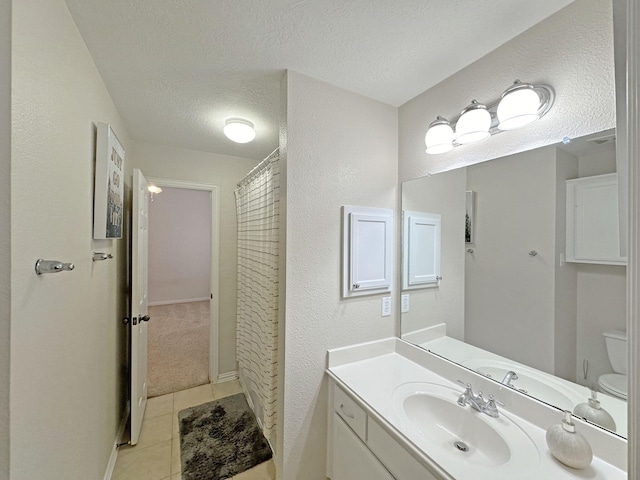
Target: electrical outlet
{"x": 386, "y": 306}
{"x": 404, "y": 303}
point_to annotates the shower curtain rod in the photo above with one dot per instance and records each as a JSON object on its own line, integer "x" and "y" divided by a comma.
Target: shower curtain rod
{"x": 258, "y": 168}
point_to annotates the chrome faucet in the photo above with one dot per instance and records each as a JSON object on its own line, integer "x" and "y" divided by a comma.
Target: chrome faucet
{"x": 477, "y": 402}
{"x": 510, "y": 375}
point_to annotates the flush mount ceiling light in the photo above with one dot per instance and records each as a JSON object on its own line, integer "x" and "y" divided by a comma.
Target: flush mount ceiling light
{"x": 519, "y": 105}
{"x": 239, "y": 130}
{"x": 474, "y": 124}
{"x": 154, "y": 189}
{"x": 439, "y": 137}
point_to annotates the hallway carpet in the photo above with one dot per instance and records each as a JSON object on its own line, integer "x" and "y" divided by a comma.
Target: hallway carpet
{"x": 178, "y": 348}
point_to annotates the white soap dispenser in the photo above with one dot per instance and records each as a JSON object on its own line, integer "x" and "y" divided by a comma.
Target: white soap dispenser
{"x": 567, "y": 445}
{"x": 594, "y": 413}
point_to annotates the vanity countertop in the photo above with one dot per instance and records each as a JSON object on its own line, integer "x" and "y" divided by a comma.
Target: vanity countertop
{"x": 570, "y": 393}
{"x": 372, "y": 372}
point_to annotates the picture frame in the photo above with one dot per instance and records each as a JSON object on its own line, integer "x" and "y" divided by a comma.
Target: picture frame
{"x": 469, "y": 223}
{"x": 108, "y": 202}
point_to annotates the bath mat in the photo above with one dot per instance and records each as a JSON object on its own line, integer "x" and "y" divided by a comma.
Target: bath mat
{"x": 220, "y": 439}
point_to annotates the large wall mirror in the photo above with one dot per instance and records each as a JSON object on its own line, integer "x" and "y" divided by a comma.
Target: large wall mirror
{"x": 531, "y": 286}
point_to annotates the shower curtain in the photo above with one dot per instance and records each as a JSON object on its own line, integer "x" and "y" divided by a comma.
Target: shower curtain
{"x": 257, "y": 310}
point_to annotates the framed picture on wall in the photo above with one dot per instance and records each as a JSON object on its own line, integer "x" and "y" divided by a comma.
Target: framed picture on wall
{"x": 469, "y": 218}
{"x": 108, "y": 202}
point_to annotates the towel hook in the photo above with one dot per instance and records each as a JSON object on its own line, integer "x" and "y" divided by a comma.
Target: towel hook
{"x": 52, "y": 266}
{"x": 99, "y": 256}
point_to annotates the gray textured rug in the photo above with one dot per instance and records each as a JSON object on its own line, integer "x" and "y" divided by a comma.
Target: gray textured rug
{"x": 220, "y": 439}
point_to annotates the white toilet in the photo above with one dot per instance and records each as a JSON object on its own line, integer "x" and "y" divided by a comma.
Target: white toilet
{"x": 615, "y": 383}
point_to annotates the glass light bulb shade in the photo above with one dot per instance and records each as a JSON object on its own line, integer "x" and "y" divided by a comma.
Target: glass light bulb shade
{"x": 518, "y": 108}
{"x": 239, "y": 130}
{"x": 154, "y": 189}
{"x": 439, "y": 137}
{"x": 473, "y": 125}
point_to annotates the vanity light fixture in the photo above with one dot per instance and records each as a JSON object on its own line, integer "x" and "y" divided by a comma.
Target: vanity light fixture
{"x": 474, "y": 124}
{"x": 439, "y": 137}
{"x": 239, "y": 130}
{"x": 520, "y": 104}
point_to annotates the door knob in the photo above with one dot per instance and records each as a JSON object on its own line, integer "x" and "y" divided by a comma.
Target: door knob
{"x": 146, "y": 318}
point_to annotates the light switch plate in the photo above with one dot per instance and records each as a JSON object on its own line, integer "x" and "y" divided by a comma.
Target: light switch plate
{"x": 386, "y": 306}
{"x": 404, "y": 303}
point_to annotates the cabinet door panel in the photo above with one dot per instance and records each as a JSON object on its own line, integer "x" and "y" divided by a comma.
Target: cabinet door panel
{"x": 592, "y": 220}
{"x": 400, "y": 462}
{"x": 352, "y": 460}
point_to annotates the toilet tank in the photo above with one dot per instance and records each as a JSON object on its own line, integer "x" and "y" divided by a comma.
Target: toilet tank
{"x": 616, "y": 343}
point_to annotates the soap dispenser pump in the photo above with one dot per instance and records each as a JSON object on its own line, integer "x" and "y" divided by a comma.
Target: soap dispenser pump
{"x": 567, "y": 445}
{"x": 594, "y": 413}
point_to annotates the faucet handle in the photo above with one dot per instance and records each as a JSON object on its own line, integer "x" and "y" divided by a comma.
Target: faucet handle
{"x": 491, "y": 409}
{"x": 467, "y": 386}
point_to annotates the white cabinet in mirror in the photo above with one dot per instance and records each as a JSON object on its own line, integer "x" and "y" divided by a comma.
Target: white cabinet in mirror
{"x": 420, "y": 250}
{"x": 537, "y": 311}
{"x": 593, "y": 229}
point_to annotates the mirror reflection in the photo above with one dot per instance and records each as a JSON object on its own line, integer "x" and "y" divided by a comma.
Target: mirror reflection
{"x": 525, "y": 283}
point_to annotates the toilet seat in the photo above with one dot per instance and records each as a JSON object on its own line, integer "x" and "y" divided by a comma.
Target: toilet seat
{"x": 614, "y": 384}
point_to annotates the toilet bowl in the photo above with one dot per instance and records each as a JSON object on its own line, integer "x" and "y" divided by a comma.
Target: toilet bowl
{"x": 615, "y": 383}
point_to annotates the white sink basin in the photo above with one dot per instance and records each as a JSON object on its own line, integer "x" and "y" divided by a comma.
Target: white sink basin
{"x": 533, "y": 382}
{"x": 460, "y": 438}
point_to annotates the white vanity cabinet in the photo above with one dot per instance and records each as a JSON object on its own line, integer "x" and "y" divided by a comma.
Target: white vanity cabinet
{"x": 361, "y": 449}
{"x": 593, "y": 234}
{"x": 352, "y": 460}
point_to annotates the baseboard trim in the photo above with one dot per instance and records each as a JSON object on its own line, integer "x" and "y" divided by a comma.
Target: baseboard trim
{"x": 114, "y": 451}
{"x": 226, "y": 377}
{"x": 180, "y": 300}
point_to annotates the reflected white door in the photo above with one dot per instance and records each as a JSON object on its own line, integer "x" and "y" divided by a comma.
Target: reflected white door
{"x": 139, "y": 301}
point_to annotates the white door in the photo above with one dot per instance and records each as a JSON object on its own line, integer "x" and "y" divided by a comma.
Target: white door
{"x": 139, "y": 299}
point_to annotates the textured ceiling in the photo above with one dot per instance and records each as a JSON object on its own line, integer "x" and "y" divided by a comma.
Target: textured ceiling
{"x": 176, "y": 69}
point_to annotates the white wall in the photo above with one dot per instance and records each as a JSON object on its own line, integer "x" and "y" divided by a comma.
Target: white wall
{"x": 67, "y": 338}
{"x": 566, "y": 287}
{"x": 572, "y": 51}
{"x": 341, "y": 149}
{"x": 601, "y": 306}
{"x": 509, "y": 295}
{"x": 224, "y": 171}
{"x": 179, "y": 246}
{"x": 444, "y": 194}
{"x": 5, "y": 230}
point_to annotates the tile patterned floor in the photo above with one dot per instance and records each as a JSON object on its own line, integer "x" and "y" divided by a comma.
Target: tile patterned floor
{"x": 157, "y": 454}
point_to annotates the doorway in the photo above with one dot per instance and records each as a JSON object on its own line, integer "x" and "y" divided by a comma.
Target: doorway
{"x": 183, "y": 300}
